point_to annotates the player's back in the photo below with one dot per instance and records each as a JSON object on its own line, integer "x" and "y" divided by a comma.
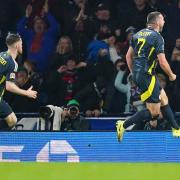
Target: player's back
{"x": 7, "y": 65}
{"x": 5, "y": 62}
{"x": 146, "y": 44}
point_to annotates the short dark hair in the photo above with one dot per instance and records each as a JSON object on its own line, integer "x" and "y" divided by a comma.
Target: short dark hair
{"x": 12, "y": 38}
{"x": 22, "y": 69}
{"x": 152, "y": 17}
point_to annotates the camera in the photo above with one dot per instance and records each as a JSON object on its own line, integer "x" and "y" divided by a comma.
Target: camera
{"x": 73, "y": 111}
{"x": 45, "y": 112}
{"x": 123, "y": 67}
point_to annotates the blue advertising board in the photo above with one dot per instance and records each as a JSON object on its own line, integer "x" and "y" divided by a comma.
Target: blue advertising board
{"x": 88, "y": 147}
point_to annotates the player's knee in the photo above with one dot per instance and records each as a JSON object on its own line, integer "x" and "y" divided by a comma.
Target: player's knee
{"x": 11, "y": 120}
{"x": 155, "y": 115}
{"x": 164, "y": 100}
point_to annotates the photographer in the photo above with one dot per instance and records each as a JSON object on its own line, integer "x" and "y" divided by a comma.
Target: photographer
{"x": 55, "y": 118}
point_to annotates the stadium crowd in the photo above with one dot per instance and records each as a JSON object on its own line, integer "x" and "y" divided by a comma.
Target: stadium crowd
{"x": 75, "y": 49}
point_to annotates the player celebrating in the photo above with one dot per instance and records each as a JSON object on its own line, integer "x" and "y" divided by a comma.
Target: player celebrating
{"x": 146, "y": 49}
{"x": 8, "y": 68}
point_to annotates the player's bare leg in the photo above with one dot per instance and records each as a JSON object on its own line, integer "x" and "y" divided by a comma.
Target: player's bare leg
{"x": 11, "y": 120}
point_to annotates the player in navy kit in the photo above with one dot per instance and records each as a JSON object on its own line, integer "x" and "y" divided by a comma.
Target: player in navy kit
{"x": 8, "y": 68}
{"x": 145, "y": 51}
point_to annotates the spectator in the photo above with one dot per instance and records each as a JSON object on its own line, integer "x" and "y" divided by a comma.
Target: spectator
{"x": 74, "y": 10}
{"x": 136, "y": 14}
{"x": 63, "y": 119}
{"x": 40, "y": 42}
{"x": 62, "y": 84}
{"x": 73, "y": 120}
{"x": 91, "y": 99}
{"x": 81, "y": 35}
{"x": 176, "y": 51}
{"x": 77, "y": 25}
{"x": 103, "y": 18}
{"x": 117, "y": 101}
{"x": 92, "y": 95}
{"x": 175, "y": 62}
{"x": 8, "y": 16}
{"x": 133, "y": 102}
{"x": 99, "y": 49}
{"x": 172, "y": 31}
{"x": 122, "y": 46}
{"x": 38, "y": 81}
{"x": 22, "y": 103}
{"x": 64, "y": 49}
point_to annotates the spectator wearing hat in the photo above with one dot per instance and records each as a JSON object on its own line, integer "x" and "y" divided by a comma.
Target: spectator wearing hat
{"x": 103, "y": 18}
{"x": 66, "y": 118}
{"x": 73, "y": 121}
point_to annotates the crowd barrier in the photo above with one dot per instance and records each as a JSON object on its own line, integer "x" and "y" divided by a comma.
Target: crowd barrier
{"x": 96, "y": 124}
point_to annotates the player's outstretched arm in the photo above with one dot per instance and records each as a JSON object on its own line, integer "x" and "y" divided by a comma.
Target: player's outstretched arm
{"x": 165, "y": 66}
{"x": 129, "y": 58}
{"x": 12, "y": 87}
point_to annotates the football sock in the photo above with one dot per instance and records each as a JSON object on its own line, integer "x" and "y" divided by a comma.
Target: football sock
{"x": 168, "y": 114}
{"x": 139, "y": 116}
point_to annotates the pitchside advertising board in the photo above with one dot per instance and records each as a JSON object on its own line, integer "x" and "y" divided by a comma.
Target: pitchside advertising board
{"x": 88, "y": 147}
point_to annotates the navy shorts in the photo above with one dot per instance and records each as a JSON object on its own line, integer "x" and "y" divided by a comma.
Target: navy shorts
{"x": 5, "y": 109}
{"x": 149, "y": 86}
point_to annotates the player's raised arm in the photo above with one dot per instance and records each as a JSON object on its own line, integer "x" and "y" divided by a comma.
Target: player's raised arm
{"x": 12, "y": 87}
{"x": 165, "y": 66}
{"x": 129, "y": 58}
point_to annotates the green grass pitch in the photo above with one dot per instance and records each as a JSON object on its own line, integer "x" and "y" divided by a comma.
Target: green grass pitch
{"x": 89, "y": 171}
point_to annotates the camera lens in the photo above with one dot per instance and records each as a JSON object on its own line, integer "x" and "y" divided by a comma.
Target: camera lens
{"x": 45, "y": 112}
{"x": 123, "y": 67}
{"x": 73, "y": 110}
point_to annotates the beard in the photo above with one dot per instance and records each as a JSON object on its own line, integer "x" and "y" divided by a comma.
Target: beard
{"x": 161, "y": 28}
{"x": 20, "y": 52}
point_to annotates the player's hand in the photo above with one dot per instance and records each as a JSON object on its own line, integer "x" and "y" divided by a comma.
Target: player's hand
{"x": 28, "y": 10}
{"x": 31, "y": 93}
{"x": 172, "y": 77}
